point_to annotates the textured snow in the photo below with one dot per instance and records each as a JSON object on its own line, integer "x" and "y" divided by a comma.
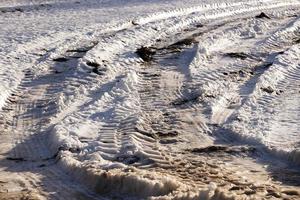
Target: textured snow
{"x": 76, "y": 97}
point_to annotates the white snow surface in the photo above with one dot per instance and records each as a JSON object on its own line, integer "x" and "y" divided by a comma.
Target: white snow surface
{"x": 75, "y": 93}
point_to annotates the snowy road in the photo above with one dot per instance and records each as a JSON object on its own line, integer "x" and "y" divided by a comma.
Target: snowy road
{"x": 149, "y": 100}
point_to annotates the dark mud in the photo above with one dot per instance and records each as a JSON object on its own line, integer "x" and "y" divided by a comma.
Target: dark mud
{"x": 61, "y": 59}
{"x": 146, "y": 53}
{"x": 239, "y": 55}
{"x": 262, "y": 16}
{"x": 224, "y": 149}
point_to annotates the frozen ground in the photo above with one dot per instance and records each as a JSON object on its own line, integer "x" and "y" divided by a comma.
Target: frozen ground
{"x": 209, "y": 110}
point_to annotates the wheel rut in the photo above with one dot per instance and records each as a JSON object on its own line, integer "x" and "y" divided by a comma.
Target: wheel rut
{"x": 155, "y": 109}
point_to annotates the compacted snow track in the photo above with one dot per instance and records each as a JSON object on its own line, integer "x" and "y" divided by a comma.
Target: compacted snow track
{"x": 192, "y": 103}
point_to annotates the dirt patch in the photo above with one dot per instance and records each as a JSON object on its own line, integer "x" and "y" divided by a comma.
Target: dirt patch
{"x": 262, "y": 15}
{"x": 296, "y": 41}
{"x": 15, "y": 159}
{"x": 12, "y": 10}
{"x": 268, "y": 89}
{"x": 291, "y": 192}
{"x": 192, "y": 98}
{"x": 92, "y": 64}
{"x": 128, "y": 159}
{"x": 61, "y": 59}
{"x": 267, "y": 65}
{"x": 150, "y": 75}
{"x": 210, "y": 149}
{"x": 236, "y": 188}
{"x": 157, "y": 134}
{"x": 240, "y": 73}
{"x": 239, "y": 55}
{"x": 199, "y": 25}
{"x": 25, "y": 8}
{"x": 168, "y": 141}
{"x": 79, "y": 50}
{"x": 180, "y": 102}
{"x": 279, "y": 92}
{"x": 72, "y": 150}
{"x": 96, "y": 67}
{"x": 186, "y": 41}
{"x": 146, "y": 53}
{"x": 178, "y": 46}
{"x": 223, "y": 149}
{"x": 167, "y": 134}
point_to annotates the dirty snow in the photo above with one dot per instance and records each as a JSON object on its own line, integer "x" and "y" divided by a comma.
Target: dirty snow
{"x": 207, "y": 109}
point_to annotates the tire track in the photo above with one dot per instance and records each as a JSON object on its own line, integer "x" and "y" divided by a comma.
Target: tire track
{"x": 117, "y": 120}
{"x": 28, "y": 117}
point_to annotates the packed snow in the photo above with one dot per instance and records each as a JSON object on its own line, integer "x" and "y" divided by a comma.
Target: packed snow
{"x": 155, "y": 99}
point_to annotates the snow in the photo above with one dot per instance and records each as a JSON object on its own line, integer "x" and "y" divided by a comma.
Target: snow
{"x": 76, "y": 99}
{"x": 275, "y": 139}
